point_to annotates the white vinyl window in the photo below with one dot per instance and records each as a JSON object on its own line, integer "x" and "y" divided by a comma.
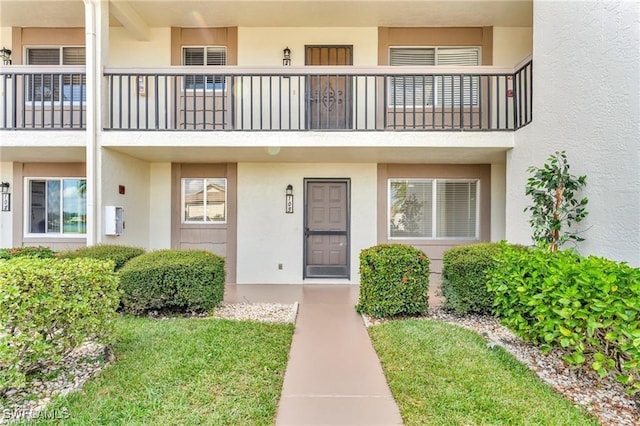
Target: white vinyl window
{"x": 56, "y": 87}
{"x": 204, "y": 200}
{"x": 416, "y": 91}
{"x": 204, "y": 56}
{"x": 56, "y": 206}
{"x": 433, "y": 208}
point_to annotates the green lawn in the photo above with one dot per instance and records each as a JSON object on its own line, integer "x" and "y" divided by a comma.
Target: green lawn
{"x": 185, "y": 372}
{"x": 441, "y": 374}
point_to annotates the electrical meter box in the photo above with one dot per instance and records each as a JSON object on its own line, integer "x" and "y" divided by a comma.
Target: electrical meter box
{"x": 113, "y": 220}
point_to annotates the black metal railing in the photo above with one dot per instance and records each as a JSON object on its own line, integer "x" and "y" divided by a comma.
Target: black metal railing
{"x": 43, "y": 98}
{"x": 239, "y": 99}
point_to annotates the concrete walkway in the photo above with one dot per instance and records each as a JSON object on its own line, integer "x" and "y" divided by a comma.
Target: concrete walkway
{"x": 333, "y": 376}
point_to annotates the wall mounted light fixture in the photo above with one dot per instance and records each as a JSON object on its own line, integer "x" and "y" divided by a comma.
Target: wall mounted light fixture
{"x": 286, "y": 57}
{"x": 6, "y": 196}
{"x": 5, "y": 54}
{"x": 289, "y": 199}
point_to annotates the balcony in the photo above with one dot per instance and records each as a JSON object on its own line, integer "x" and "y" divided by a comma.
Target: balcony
{"x": 303, "y": 99}
{"x": 38, "y": 97}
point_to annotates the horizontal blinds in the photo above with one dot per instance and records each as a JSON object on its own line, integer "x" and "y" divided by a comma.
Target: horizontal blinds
{"x": 412, "y": 56}
{"x": 193, "y": 56}
{"x": 412, "y": 91}
{"x": 456, "y": 204}
{"x": 68, "y": 55}
{"x": 211, "y": 56}
{"x": 216, "y": 56}
{"x": 417, "y": 91}
{"x": 43, "y": 56}
{"x": 73, "y": 56}
{"x": 457, "y": 87}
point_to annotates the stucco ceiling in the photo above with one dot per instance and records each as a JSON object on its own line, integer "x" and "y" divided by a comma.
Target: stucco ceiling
{"x": 270, "y": 13}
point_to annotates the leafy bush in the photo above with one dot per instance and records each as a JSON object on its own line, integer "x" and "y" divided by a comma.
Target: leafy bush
{"x": 464, "y": 283}
{"x": 37, "y": 252}
{"x": 47, "y": 308}
{"x": 174, "y": 280}
{"x": 394, "y": 280}
{"x": 118, "y": 254}
{"x": 588, "y": 306}
{"x": 464, "y": 280}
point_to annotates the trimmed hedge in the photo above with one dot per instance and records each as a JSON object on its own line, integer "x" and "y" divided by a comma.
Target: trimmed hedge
{"x": 47, "y": 308}
{"x": 590, "y": 307}
{"x": 464, "y": 281}
{"x": 394, "y": 280}
{"x": 120, "y": 255}
{"x": 37, "y": 252}
{"x": 183, "y": 281}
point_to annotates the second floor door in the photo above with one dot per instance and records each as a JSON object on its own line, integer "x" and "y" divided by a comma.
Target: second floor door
{"x": 329, "y": 97}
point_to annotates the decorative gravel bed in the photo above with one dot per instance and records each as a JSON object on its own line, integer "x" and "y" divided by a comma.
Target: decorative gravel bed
{"x": 604, "y": 398}
{"x": 88, "y": 360}
{"x": 264, "y": 312}
{"x": 68, "y": 376}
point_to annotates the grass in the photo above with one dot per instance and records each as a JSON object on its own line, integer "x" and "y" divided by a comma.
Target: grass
{"x": 441, "y": 374}
{"x": 184, "y": 372}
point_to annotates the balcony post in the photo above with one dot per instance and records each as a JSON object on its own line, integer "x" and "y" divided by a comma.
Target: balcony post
{"x": 96, "y": 45}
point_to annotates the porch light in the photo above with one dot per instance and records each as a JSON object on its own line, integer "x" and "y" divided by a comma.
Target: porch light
{"x": 5, "y": 54}
{"x": 289, "y": 199}
{"x": 286, "y": 58}
{"x": 6, "y": 196}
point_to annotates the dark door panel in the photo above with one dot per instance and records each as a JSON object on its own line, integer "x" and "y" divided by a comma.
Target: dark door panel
{"x": 329, "y": 98}
{"x": 326, "y": 237}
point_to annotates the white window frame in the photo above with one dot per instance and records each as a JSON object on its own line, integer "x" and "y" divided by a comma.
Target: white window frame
{"x": 437, "y": 101}
{"x": 27, "y": 208}
{"x": 58, "y": 101}
{"x": 205, "y": 85}
{"x": 183, "y": 201}
{"x": 434, "y": 213}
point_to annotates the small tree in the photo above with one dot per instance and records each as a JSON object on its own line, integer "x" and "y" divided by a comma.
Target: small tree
{"x": 555, "y": 206}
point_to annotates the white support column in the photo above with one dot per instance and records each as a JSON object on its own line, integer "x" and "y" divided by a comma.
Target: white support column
{"x": 96, "y": 45}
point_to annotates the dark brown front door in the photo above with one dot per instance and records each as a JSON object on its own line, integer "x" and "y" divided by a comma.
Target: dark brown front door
{"x": 329, "y": 96}
{"x": 326, "y": 240}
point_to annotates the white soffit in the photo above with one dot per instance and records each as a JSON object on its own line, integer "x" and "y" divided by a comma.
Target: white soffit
{"x": 280, "y": 13}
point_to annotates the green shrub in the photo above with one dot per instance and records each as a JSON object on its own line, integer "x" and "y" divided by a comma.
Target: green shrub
{"x": 175, "y": 280}
{"x": 118, "y": 254}
{"x": 47, "y": 308}
{"x": 588, "y": 306}
{"x": 464, "y": 281}
{"x": 394, "y": 280}
{"x": 37, "y": 252}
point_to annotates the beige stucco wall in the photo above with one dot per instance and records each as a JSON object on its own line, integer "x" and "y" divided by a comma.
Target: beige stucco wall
{"x": 511, "y": 45}
{"x": 263, "y": 46}
{"x": 5, "y": 37}
{"x": 119, "y": 169}
{"x": 159, "y": 206}
{"x": 268, "y": 236}
{"x": 586, "y": 101}
{"x": 498, "y": 201}
{"x": 6, "y": 218}
{"x": 125, "y": 51}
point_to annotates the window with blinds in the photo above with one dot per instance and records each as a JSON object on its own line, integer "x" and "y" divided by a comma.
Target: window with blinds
{"x": 61, "y": 86}
{"x": 416, "y": 91}
{"x": 433, "y": 208}
{"x": 204, "y": 56}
